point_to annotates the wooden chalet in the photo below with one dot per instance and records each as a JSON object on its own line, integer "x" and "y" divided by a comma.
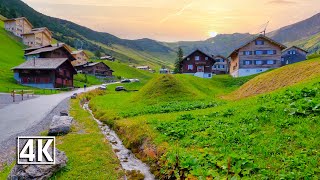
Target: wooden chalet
{"x": 50, "y": 51}
{"x": 198, "y": 64}
{"x": 292, "y": 55}
{"x": 257, "y": 55}
{"x": 98, "y": 69}
{"x": 45, "y": 73}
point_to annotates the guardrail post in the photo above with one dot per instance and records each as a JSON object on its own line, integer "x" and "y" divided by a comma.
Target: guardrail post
{"x": 22, "y": 94}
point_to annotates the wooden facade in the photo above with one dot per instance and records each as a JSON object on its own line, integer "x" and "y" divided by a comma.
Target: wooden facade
{"x": 258, "y": 55}
{"x": 45, "y": 73}
{"x": 37, "y": 37}
{"x": 198, "y": 64}
{"x": 292, "y": 55}
{"x": 50, "y": 52}
{"x": 18, "y": 26}
{"x": 99, "y": 69}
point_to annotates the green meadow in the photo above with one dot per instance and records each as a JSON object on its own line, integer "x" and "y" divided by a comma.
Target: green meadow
{"x": 187, "y": 127}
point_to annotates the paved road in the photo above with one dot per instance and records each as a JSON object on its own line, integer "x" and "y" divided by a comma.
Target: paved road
{"x": 15, "y": 118}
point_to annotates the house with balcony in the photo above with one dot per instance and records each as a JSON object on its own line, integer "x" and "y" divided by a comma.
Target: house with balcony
{"x": 18, "y": 26}
{"x": 292, "y": 55}
{"x": 37, "y": 37}
{"x": 221, "y": 66}
{"x": 45, "y": 73}
{"x": 259, "y": 54}
{"x": 198, "y": 64}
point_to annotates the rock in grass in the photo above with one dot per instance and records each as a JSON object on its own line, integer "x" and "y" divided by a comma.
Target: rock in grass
{"x": 60, "y": 125}
{"x": 64, "y": 113}
{"x": 41, "y": 172}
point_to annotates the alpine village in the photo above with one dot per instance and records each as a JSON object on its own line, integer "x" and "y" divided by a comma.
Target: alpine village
{"x": 233, "y": 106}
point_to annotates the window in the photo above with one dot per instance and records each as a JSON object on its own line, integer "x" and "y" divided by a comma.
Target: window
{"x": 207, "y": 58}
{"x": 190, "y": 67}
{"x": 259, "y": 52}
{"x": 197, "y": 58}
{"x": 270, "y": 62}
{"x": 214, "y": 67}
{"x": 271, "y": 52}
{"x": 258, "y": 62}
{"x": 222, "y": 66}
{"x": 209, "y": 75}
{"x": 247, "y": 62}
{"x": 259, "y": 42}
{"x": 247, "y": 52}
{"x": 188, "y": 59}
{"x": 292, "y": 52}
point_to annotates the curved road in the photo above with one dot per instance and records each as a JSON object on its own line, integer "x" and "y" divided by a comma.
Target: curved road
{"x": 16, "y": 118}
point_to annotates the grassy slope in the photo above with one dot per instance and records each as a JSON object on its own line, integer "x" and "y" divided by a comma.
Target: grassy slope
{"x": 257, "y": 137}
{"x": 11, "y": 55}
{"x": 282, "y": 77}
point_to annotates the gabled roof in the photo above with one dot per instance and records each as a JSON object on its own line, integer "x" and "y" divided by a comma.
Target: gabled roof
{"x": 36, "y": 47}
{"x": 95, "y": 63}
{"x": 296, "y": 48}
{"x": 41, "y": 50}
{"x": 42, "y": 63}
{"x": 198, "y": 51}
{"x": 24, "y": 18}
{"x": 79, "y": 51}
{"x": 220, "y": 56}
{"x": 255, "y": 38}
{"x": 39, "y": 30}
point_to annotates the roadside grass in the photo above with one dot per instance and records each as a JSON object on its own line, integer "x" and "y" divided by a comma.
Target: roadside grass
{"x": 81, "y": 79}
{"x": 279, "y": 78}
{"x": 89, "y": 154}
{"x": 4, "y": 173}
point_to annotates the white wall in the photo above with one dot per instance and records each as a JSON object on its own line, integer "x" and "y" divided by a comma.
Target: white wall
{"x": 248, "y": 72}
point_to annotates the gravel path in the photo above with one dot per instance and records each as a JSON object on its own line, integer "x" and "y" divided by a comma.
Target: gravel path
{"x": 8, "y": 147}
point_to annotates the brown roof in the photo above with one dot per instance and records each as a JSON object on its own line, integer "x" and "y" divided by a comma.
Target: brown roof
{"x": 41, "y": 50}
{"x": 296, "y": 48}
{"x": 42, "y": 63}
{"x": 79, "y": 51}
{"x": 256, "y": 37}
{"x": 14, "y": 19}
{"x": 198, "y": 51}
{"x": 36, "y": 47}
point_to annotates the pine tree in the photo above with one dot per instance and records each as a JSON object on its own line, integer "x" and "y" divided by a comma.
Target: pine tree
{"x": 178, "y": 63}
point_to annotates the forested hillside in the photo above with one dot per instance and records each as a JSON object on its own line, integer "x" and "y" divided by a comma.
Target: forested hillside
{"x": 143, "y": 51}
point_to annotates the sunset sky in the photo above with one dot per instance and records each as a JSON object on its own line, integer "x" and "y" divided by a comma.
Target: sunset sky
{"x": 175, "y": 20}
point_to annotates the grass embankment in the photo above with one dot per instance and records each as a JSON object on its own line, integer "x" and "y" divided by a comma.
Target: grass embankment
{"x": 89, "y": 154}
{"x": 89, "y": 80}
{"x": 279, "y": 78}
{"x": 270, "y": 136}
{"x": 163, "y": 94}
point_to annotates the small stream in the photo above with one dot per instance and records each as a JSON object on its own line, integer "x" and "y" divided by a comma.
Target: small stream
{"x": 127, "y": 159}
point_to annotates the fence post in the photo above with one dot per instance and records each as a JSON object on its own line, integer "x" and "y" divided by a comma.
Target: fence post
{"x": 22, "y": 94}
{"x": 13, "y": 96}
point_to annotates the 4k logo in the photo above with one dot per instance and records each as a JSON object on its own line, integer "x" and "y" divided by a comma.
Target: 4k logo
{"x": 36, "y": 150}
